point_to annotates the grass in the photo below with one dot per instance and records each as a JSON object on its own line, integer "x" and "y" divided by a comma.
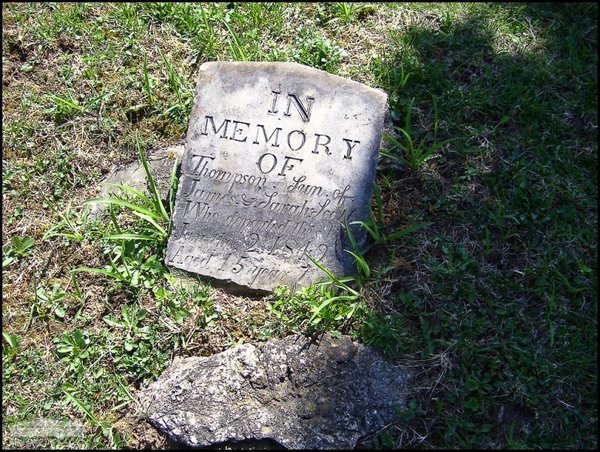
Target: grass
{"x": 491, "y": 143}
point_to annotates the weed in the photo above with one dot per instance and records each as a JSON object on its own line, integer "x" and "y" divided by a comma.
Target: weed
{"x": 75, "y": 225}
{"x": 148, "y": 208}
{"x": 136, "y": 256}
{"x": 149, "y": 84}
{"x": 415, "y": 153}
{"x": 10, "y": 346}
{"x": 191, "y": 309}
{"x": 340, "y": 12}
{"x": 235, "y": 46}
{"x": 73, "y": 349}
{"x": 135, "y": 353}
{"x": 392, "y": 77}
{"x": 326, "y": 307}
{"x": 207, "y": 36}
{"x": 132, "y": 317}
{"x": 19, "y": 247}
{"x": 129, "y": 263}
{"x": 180, "y": 110}
{"x": 384, "y": 332}
{"x": 346, "y": 12}
{"x": 378, "y": 237}
{"x": 114, "y": 438}
{"x": 377, "y": 234}
{"x": 66, "y": 107}
{"x": 317, "y": 51}
{"x": 49, "y": 302}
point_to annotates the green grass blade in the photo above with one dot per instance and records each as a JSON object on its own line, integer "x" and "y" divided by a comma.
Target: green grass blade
{"x": 371, "y": 228}
{"x": 147, "y": 84}
{"x": 392, "y": 155}
{"x": 436, "y": 118}
{"x": 151, "y": 221}
{"x": 173, "y": 186}
{"x": 101, "y": 271}
{"x": 362, "y": 264}
{"x": 334, "y": 279}
{"x": 236, "y": 47}
{"x": 379, "y": 203}
{"x": 392, "y": 139}
{"x": 324, "y": 269}
{"x": 408, "y": 118}
{"x": 50, "y": 232}
{"x": 174, "y": 79}
{"x": 172, "y": 194}
{"x": 349, "y": 233}
{"x": 66, "y": 102}
{"x": 404, "y": 232}
{"x": 320, "y": 308}
{"x": 68, "y": 235}
{"x": 328, "y": 301}
{"x": 126, "y": 236}
{"x": 133, "y": 191}
{"x": 126, "y": 204}
{"x": 113, "y": 218}
{"x": 437, "y": 146}
{"x": 154, "y": 191}
{"x": 408, "y": 139}
{"x": 82, "y": 407}
{"x": 343, "y": 281}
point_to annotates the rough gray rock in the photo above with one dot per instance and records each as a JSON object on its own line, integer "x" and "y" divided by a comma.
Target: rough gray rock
{"x": 302, "y": 393}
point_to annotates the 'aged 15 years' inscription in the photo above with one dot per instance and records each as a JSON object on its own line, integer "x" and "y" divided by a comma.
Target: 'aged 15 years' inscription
{"x": 277, "y": 157}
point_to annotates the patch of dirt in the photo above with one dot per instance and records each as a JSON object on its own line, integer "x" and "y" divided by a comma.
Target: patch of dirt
{"x": 140, "y": 433}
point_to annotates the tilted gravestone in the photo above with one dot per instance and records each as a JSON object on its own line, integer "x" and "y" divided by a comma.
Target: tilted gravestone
{"x": 278, "y": 156}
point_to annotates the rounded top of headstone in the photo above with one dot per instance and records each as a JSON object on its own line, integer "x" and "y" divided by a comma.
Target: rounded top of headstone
{"x": 285, "y": 67}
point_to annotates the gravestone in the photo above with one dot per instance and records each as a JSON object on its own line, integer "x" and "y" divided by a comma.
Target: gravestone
{"x": 278, "y": 156}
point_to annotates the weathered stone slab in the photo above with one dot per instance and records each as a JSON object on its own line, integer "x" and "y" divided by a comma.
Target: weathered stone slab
{"x": 301, "y": 393}
{"x": 277, "y": 155}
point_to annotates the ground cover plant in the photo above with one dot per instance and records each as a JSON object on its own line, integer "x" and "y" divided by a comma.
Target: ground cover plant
{"x": 482, "y": 268}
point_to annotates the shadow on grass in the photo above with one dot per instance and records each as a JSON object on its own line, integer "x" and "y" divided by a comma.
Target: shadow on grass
{"x": 507, "y": 282}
